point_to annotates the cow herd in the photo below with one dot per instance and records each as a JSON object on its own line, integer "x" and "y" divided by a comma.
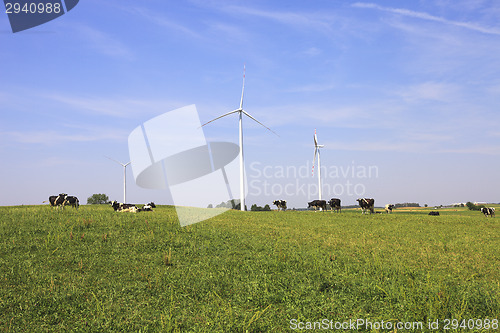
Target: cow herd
{"x": 366, "y": 204}
{"x": 63, "y": 199}
{"x": 281, "y": 204}
{"x": 131, "y": 208}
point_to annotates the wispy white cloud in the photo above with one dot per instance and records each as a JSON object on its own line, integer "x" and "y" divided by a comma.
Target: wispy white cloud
{"x": 102, "y": 42}
{"x": 319, "y": 87}
{"x": 51, "y": 137}
{"x": 430, "y": 91}
{"x": 300, "y": 20}
{"x": 121, "y": 107}
{"x": 313, "y": 52}
{"x": 58, "y": 161}
{"x": 428, "y": 17}
{"x": 378, "y": 146}
{"x": 162, "y": 21}
{"x": 480, "y": 150}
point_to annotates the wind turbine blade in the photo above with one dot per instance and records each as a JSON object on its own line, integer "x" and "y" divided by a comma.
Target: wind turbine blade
{"x": 243, "y": 88}
{"x": 248, "y": 115}
{"x": 225, "y": 114}
{"x": 116, "y": 161}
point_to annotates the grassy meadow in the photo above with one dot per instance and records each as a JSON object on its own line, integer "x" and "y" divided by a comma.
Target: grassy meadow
{"x": 95, "y": 270}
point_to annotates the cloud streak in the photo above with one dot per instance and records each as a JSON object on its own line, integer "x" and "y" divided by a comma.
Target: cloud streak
{"x": 115, "y": 107}
{"x": 103, "y": 43}
{"x": 428, "y": 17}
{"x": 52, "y": 137}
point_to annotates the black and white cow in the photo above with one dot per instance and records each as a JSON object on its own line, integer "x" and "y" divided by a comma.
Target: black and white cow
{"x": 148, "y": 207}
{"x": 434, "y": 213}
{"x": 71, "y": 201}
{"x": 366, "y": 204}
{"x": 123, "y": 207}
{"x": 317, "y": 204}
{"x": 335, "y": 204}
{"x": 389, "y": 208}
{"x": 57, "y": 200}
{"x": 281, "y": 204}
{"x": 488, "y": 211}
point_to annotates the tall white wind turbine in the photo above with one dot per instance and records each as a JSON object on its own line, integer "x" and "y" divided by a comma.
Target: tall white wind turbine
{"x": 241, "y": 112}
{"x": 124, "y": 178}
{"x": 316, "y": 152}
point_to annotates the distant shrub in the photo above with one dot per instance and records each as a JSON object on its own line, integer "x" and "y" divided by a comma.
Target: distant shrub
{"x": 97, "y": 199}
{"x": 407, "y": 204}
{"x": 256, "y": 208}
{"x": 471, "y": 206}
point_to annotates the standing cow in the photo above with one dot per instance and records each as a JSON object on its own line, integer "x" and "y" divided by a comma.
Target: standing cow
{"x": 488, "y": 211}
{"x": 57, "y": 200}
{"x": 281, "y": 204}
{"x": 71, "y": 201}
{"x": 389, "y": 208}
{"x": 335, "y": 204}
{"x": 366, "y": 204}
{"x": 317, "y": 204}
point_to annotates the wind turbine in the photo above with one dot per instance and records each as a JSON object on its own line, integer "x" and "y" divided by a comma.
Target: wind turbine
{"x": 316, "y": 151}
{"x": 124, "y": 178}
{"x": 241, "y": 112}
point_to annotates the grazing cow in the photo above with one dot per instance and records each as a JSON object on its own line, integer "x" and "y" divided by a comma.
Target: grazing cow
{"x": 281, "y": 204}
{"x": 335, "y": 204}
{"x": 57, "y": 200}
{"x": 148, "y": 207}
{"x": 71, "y": 201}
{"x": 434, "y": 213}
{"x": 124, "y": 208}
{"x": 488, "y": 211}
{"x": 389, "y": 208}
{"x": 317, "y": 204}
{"x": 366, "y": 204}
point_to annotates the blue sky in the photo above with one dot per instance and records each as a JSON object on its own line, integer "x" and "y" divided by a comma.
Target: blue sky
{"x": 408, "y": 88}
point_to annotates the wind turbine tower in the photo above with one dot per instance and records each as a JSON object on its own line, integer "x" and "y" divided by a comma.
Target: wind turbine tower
{"x": 316, "y": 152}
{"x": 124, "y": 177}
{"x": 241, "y": 112}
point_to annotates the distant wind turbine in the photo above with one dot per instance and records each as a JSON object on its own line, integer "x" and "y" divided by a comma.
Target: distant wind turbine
{"x": 240, "y": 111}
{"x": 316, "y": 151}
{"x": 124, "y": 177}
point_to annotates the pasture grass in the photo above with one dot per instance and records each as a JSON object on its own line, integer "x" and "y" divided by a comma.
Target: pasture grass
{"x": 95, "y": 270}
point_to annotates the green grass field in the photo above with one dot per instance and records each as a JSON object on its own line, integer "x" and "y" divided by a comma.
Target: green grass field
{"x": 94, "y": 270}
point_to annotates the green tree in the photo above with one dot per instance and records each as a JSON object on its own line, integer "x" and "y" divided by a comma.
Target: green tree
{"x": 267, "y": 208}
{"x": 238, "y": 206}
{"x": 97, "y": 199}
